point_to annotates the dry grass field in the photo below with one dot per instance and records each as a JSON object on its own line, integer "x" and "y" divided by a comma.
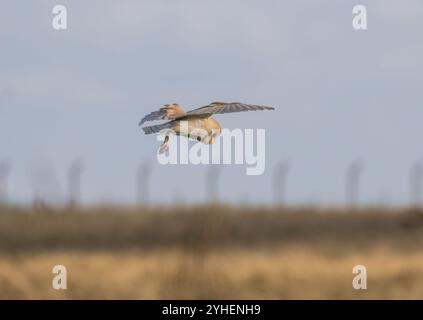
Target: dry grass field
{"x": 215, "y": 252}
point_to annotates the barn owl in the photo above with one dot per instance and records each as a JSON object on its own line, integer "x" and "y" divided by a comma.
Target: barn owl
{"x": 197, "y": 124}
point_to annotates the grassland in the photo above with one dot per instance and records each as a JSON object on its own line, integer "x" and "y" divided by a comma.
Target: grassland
{"x": 210, "y": 252}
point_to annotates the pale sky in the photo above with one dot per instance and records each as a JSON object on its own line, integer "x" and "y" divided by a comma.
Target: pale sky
{"x": 339, "y": 93}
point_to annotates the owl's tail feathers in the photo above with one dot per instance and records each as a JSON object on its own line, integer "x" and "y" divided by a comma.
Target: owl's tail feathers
{"x": 156, "y": 128}
{"x": 165, "y": 145}
{"x": 162, "y": 129}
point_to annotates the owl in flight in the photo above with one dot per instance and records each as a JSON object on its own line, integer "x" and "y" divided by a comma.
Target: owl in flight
{"x": 197, "y": 124}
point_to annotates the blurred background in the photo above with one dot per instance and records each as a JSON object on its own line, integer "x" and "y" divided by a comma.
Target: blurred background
{"x": 80, "y": 184}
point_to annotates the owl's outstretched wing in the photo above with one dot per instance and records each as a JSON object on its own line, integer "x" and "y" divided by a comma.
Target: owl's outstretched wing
{"x": 227, "y": 107}
{"x": 167, "y": 112}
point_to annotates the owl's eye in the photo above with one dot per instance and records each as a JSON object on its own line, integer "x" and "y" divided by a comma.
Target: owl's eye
{"x": 198, "y": 138}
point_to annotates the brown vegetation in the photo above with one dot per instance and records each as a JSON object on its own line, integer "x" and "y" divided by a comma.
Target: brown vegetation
{"x": 210, "y": 252}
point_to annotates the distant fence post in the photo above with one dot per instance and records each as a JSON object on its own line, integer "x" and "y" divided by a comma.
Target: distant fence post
{"x": 5, "y": 169}
{"x": 74, "y": 182}
{"x": 212, "y": 183}
{"x": 143, "y": 182}
{"x": 416, "y": 177}
{"x": 279, "y": 182}
{"x": 352, "y": 183}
